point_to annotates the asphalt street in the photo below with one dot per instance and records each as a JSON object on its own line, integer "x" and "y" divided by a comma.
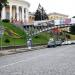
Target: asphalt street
{"x": 48, "y": 61}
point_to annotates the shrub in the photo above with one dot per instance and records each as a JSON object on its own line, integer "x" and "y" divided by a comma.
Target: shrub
{"x": 36, "y": 36}
{"x": 5, "y": 20}
{"x": 72, "y": 29}
{"x": 7, "y": 41}
{"x": 68, "y": 36}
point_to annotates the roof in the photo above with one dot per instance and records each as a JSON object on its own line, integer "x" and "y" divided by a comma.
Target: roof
{"x": 54, "y": 13}
{"x": 25, "y": 1}
{"x": 20, "y": 1}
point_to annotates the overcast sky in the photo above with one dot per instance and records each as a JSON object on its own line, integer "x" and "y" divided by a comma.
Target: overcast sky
{"x": 66, "y": 7}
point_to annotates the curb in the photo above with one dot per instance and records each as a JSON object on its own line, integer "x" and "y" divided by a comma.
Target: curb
{"x": 20, "y": 50}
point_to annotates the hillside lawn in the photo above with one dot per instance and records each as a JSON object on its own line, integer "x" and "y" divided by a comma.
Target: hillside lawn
{"x": 17, "y": 36}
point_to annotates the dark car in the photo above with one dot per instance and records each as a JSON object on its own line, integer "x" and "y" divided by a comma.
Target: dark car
{"x": 58, "y": 42}
{"x": 51, "y": 43}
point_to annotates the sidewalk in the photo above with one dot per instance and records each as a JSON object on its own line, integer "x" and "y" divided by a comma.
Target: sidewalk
{"x": 19, "y": 50}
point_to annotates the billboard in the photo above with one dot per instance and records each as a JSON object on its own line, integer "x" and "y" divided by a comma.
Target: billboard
{"x": 61, "y": 21}
{"x": 72, "y": 21}
{"x": 57, "y": 22}
{"x": 67, "y": 21}
{"x": 43, "y": 23}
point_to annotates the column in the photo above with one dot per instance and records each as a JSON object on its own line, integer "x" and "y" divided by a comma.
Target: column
{"x": 11, "y": 13}
{"x": 3, "y": 14}
{"x": 17, "y": 11}
{"x": 23, "y": 14}
{"x": 26, "y": 15}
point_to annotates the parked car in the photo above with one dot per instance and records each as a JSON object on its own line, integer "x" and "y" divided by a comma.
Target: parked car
{"x": 58, "y": 42}
{"x": 66, "y": 43}
{"x": 51, "y": 43}
{"x": 73, "y": 42}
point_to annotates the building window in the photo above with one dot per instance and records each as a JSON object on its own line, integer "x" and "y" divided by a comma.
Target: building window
{"x": 51, "y": 17}
{"x": 25, "y": 13}
{"x": 7, "y": 15}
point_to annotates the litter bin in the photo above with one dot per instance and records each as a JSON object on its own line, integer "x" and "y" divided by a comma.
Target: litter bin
{"x": 29, "y": 43}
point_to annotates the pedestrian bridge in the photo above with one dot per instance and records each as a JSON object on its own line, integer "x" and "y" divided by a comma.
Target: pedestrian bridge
{"x": 46, "y": 25}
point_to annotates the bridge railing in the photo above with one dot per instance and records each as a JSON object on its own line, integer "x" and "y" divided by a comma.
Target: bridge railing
{"x": 45, "y": 25}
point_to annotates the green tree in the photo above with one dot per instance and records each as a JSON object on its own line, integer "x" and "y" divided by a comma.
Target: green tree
{"x": 2, "y": 4}
{"x": 44, "y": 15}
{"x": 37, "y": 15}
{"x": 40, "y": 13}
{"x": 72, "y": 28}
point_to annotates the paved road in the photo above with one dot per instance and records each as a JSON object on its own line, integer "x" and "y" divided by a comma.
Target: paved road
{"x": 49, "y": 61}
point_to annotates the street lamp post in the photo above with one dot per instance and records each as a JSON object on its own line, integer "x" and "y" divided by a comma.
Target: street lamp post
{"x": 1, "y": 34}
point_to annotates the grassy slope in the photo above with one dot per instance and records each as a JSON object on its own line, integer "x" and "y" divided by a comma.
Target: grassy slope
{"x": 41, "y": 38}
{"x": 14, "y": 29}
{"x": 72, "y": 37}
{"x": 14, "y": 34}
{"x": 18, "y": 36}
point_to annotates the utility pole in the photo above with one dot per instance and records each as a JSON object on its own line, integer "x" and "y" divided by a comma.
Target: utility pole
{"x": 1, "y": 34}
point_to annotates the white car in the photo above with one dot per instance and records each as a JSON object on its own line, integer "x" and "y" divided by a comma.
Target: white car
{"x": 66, "y": 43}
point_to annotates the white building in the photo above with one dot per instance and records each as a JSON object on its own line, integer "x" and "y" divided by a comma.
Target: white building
{"x": 16, "y": 10}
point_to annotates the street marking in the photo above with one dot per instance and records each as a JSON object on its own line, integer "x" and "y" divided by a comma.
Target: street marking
{"x": 30, "y": 59}
{"x": 22, "y": 61}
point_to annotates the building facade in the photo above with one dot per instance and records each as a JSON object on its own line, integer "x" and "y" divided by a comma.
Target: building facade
{"x": 16, "y": 10}
{"x": 56, "y": 16}
{"x": 31, "y": 17}
{"x": 51, "y": 16}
